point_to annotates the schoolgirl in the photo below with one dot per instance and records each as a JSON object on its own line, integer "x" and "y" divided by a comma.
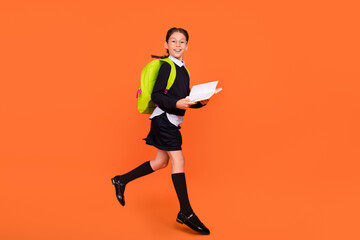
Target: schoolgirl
{"x": 164, "y": 132}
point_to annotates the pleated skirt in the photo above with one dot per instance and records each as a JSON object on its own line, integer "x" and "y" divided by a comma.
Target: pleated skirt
{"x": 163, "y": 134}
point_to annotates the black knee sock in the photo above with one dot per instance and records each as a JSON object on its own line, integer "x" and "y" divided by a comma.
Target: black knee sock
{"x": 181, "y": 191}
{"x": 142, "y": 170}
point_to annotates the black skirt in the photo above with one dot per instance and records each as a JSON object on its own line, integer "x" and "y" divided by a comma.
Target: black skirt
{"x": 163, "y": 134}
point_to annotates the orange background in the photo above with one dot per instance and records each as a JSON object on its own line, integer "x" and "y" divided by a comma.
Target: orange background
{"x": 273, "y": 156}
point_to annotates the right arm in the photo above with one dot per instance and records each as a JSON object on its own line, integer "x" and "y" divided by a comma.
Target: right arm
{"x": 158, "y": 95}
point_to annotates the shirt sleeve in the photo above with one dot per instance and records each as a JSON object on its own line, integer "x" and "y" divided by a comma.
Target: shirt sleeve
{"x": 158, "y": 95}
{"x": 197, "y": 105}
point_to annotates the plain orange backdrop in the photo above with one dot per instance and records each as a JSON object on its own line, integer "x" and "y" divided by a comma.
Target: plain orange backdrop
{"x": 273, "y": 156}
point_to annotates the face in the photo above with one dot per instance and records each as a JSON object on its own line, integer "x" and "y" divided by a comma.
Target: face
{"x": 177, "y": 45}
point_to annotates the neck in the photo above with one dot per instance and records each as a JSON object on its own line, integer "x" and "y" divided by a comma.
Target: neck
{"x": 180, "y": 58}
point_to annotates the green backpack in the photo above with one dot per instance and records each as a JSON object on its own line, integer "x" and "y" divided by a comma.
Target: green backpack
{"x": 148, "y": 78}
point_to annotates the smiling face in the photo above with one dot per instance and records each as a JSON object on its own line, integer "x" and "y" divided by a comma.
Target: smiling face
{"x": 177, "y": 45}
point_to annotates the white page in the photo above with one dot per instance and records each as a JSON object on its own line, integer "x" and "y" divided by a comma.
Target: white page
{"x": 204, "y": 96}
{"x": 203, "y": 91}
{"x": 203, "y": 88}
{"x": 200, "y": 97}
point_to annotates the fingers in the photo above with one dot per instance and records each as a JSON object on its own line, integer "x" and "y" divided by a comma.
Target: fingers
{"x": 188, "y": 102}
{"x": 184, "y": 103}
{"x": 203, "y": 102}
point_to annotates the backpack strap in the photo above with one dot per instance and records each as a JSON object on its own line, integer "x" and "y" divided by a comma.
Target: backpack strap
{"x": 172, "y": 75}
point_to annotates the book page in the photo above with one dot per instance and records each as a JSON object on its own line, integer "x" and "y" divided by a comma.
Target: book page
{"x": 200, "y": 97}
{"x": 202, "y": 91}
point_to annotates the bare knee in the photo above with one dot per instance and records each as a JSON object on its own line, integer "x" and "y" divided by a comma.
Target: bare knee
{"x": 161, "y": 161}
{"x": 177, "y": 161}
{"x": 157, "y": 165}
{"x": 163, "y": 164}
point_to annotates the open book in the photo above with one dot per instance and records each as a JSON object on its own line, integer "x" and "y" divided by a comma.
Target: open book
{"x": 203, "y": 91}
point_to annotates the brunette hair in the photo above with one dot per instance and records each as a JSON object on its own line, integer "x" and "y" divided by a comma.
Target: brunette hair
{"x": 168, "y": 34}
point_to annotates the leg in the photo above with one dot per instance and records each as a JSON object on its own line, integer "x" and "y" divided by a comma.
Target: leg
{"x": 186, "y": 214}
{"x": 161, "y": 160}
{"x": 178, "y": 178}
{"x": 177, "y": 161}
{"x": 146, "y": 168}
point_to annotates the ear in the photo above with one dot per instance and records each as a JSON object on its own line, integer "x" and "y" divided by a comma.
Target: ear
{"x": 186, "y": 48}
{"x": 166, "y": 45}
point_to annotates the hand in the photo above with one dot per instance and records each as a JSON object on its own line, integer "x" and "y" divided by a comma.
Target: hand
{"x": 184, "y": 103}
{"x": 204, "y": 102}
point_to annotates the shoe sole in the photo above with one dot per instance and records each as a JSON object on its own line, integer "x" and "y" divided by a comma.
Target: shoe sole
{"x": 179, "y": 221}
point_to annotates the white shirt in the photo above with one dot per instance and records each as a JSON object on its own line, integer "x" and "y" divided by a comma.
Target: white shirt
{"x": 174, "y": 119}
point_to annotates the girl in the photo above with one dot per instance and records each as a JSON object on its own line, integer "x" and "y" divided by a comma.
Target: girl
{"x": 164, "y": 132}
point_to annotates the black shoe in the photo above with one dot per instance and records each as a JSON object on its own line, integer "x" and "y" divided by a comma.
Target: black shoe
{"x": 193, "y": 222}
{"x": 119, "y": 189}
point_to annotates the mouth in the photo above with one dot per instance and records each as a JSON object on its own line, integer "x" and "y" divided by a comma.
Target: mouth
{"x": 177, "y": 50}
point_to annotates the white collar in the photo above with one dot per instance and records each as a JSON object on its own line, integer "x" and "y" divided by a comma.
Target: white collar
{"x": 177, "y": 61}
